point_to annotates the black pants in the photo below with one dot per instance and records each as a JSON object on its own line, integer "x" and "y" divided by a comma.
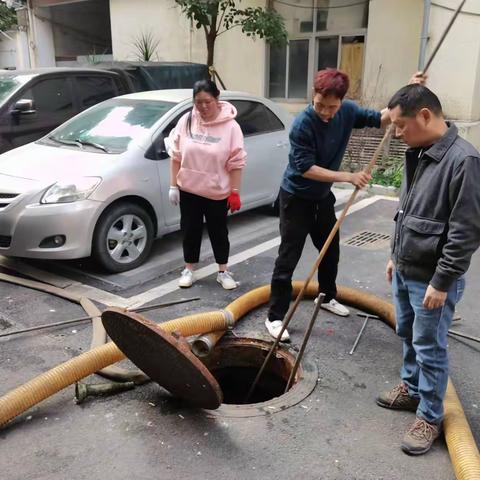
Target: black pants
{"x": 298, "y": 218}
{"x": 193, "y": 209}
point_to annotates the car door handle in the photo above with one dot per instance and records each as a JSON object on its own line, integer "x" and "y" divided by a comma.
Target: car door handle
{"x": 282, "y": 144}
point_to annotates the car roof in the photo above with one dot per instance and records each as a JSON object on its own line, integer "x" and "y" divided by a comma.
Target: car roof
{"x": 179, "y": 95}
{"x": 49, "y": 70}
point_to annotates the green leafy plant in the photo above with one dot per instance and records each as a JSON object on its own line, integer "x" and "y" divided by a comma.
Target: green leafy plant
{"x": 216, "y": 17}
{"x": 8, "y": 17}
{"x": 390, "y": 176}
{"x": 145, "y": 46}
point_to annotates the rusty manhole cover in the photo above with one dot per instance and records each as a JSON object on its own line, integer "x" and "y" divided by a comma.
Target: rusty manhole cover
{"x": 164, "y": 357}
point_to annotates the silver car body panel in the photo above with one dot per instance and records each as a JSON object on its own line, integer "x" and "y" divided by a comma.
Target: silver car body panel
{"x": 28, "y": 171}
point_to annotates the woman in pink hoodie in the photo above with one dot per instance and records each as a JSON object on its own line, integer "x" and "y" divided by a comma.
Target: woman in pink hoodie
{"x": 207, "y": 157}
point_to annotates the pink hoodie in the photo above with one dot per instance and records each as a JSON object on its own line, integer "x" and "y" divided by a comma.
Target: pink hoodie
{"x": 207, "y": 157}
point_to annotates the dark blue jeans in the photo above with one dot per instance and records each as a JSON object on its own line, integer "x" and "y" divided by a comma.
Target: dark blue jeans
{"x": 424, "y": 336}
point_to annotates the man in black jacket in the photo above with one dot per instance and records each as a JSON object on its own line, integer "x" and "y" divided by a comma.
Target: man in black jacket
{"x": 437, "y": 229}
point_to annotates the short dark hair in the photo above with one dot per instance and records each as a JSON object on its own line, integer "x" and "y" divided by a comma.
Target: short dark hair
{"x": 412, "y": 98}
{"x": 331, "y": 82}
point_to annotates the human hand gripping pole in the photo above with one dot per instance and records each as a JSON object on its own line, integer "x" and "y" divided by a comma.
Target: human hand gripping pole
{"x": 339, "y": 222}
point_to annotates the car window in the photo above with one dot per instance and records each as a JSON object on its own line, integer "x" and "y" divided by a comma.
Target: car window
{"x": 254, "y": 118}
{"x": 51, "y": 95}
{"x": 113, "y": 124}
{"x": 166, "y": 131}
{"x": 93, "y": 90}
{"x": 121, "y": 87}
{"x": 10, "y": 83}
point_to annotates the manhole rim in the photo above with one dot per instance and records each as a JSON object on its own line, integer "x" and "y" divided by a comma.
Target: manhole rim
{"x": 299, "y": 392}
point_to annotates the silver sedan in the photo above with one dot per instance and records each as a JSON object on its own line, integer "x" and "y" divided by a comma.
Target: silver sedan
{"x": 98, "y": 184}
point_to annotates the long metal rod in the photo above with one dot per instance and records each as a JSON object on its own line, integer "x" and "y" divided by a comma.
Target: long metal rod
{"x": 367, "y": 318}
{"x": 339, "y": 222}
{"x": 83, "y": 319}
{"x": 464, "y": 335}
{"x": 320, "y": 299}
{"x": 444, "y": 34}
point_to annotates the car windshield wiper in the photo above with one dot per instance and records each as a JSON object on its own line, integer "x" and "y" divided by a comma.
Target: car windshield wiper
{"x": 65, "y": 142}
{"x": 92, "y": 144}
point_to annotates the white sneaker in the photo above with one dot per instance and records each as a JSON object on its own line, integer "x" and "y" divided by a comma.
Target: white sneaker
{"x": 187, "y": 278}
{"x": 274, "y": 329}
{"x": 225, "y": 279}
{"x": 336, "y": 308}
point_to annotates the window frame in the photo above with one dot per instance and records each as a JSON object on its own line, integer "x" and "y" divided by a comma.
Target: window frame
{"x": 312, "y": 57}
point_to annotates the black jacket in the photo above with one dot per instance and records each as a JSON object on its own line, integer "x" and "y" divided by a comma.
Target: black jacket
{"x": 437, "y": 227}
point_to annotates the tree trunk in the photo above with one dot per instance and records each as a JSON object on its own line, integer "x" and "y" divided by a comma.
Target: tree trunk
{"x": 211, "y": 37}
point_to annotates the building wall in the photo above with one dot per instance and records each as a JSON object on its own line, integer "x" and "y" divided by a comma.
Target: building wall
{"x": 392, "y": 50}
{"x": 455, "y": 72}
{"x": 22, "y": 60}
{"x": 8, "y": 49}
{"x": 393, "y": 47}
{"x": 239, "y": 60}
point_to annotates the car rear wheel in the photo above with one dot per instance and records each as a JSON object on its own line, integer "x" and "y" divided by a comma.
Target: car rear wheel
{"x": 123, "y": 237}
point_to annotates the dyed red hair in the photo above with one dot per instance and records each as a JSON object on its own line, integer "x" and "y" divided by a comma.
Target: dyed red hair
{"x": 331, "y": 82}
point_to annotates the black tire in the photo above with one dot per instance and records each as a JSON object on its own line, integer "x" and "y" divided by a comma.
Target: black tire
{"x": 119, "y": 254}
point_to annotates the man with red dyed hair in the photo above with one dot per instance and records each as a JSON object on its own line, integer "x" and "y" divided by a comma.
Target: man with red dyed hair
{"x": 318, "y": 139}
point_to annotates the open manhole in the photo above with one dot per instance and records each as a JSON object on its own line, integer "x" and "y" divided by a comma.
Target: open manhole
{"x": 367, "y": 239}
{"x": 219, "y": 382}
{"x": 235, "y": 362}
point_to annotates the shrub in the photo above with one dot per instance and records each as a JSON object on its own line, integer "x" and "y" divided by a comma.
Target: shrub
{"x": 390, "y": 175}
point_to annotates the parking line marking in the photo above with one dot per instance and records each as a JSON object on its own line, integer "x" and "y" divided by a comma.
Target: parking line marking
{"x": 203, "y": 272}
{"x": 111, "y": 299}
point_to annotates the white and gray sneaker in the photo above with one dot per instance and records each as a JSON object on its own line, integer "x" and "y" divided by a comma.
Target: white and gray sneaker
{"x": 336, "y": 308}
{"x": 187, "y": 278}
{"x": 274, "y": 328}
{"x": 225, "y": 279}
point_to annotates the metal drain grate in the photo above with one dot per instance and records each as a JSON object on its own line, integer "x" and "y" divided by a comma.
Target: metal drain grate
{"x": 366, "y": 239}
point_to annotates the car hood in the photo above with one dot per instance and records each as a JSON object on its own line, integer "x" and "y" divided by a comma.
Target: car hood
{"x": 48, "y": 164}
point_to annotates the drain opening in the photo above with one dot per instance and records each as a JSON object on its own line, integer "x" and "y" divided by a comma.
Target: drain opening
{"x": 367, "y": 239}
{"x": 235, "y": 363}
{"x": 235, "y": 383}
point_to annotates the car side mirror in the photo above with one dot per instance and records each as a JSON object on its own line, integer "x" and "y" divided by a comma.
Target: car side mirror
{"x": 24, "y": 106}
{"x": 161, "y": 149}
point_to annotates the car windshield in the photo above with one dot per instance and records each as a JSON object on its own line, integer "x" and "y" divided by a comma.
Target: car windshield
{"x": 112, "y": 125}
{"x": 10, "y": 83}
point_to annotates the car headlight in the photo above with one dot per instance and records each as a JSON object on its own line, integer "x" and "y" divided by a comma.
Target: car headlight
{"x": 65, "y": 191}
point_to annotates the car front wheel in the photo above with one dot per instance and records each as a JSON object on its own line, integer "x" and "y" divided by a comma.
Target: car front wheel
{"x": 123, "y": 237}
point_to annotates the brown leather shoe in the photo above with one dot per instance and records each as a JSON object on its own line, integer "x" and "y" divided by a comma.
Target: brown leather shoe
{"x": 420, "y": 437}
{"x": 398, "y": 399}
